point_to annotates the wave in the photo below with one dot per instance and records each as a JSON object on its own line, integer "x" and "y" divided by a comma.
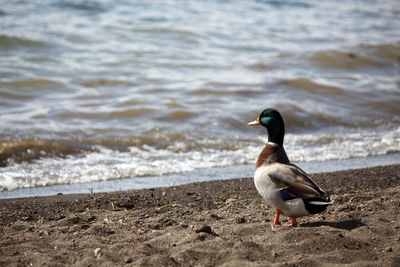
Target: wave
{"x": 362, "y": 56}
{"x": 35, "y": 163}
{"x": 27, "y": 150}
{"x": 221, "y": 91}
{"x": 313, "y": 86}
{"x": 291, "y": 4}
{"x": 36, "y": 84}
{"x": 18, "y": 151}
{"x": 139, "y": 114}
{"x": 106, "y": 83}
{"x": 14, "y": 42}
{"x": 90, "y": 7}
{"x": 311, "y": 103}
{"x": 340, "y": 145}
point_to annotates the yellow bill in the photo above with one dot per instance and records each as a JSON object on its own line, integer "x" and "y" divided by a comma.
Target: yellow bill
{"x": 256, "y": 122}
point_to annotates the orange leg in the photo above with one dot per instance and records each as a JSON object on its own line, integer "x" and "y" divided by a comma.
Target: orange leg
{"x": 278, "y": 212}
{"x": 293, "y": 222}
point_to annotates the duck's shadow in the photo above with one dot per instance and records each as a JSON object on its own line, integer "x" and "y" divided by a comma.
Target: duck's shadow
{"x": 347, "y": 225}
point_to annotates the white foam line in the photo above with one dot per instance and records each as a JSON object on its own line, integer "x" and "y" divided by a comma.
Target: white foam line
{"x": 199, "y": 175}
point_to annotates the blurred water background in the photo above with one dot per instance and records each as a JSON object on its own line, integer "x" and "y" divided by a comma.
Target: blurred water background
{"x": 105, "y": 90}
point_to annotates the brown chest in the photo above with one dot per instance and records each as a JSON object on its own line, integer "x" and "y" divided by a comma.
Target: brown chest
{"x": 270, "y": 154}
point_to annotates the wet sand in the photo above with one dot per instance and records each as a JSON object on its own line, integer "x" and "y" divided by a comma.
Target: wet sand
{"x": 206, "y": 224}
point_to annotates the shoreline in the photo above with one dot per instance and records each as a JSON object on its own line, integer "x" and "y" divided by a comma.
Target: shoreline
{"x": 221, "y": 222}
{"x": 199, "y": 175}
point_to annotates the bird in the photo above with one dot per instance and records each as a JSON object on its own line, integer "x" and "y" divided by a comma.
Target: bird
{"x": 283, "y": 185}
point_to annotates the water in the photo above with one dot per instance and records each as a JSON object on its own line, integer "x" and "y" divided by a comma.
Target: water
{"x": 105, "y": 90}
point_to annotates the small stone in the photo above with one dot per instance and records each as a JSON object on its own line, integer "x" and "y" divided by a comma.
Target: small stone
{"x": 388, "y": 249}
{"x": 204, "y": 229}
{"x": 241, "y": 220}
{"x": 214, "y": 216}
{"x": 183, "y": 225}
{"x": 97, "y": 252}
{"x": 128, "y": 260}
{"x": 85, "y": 227}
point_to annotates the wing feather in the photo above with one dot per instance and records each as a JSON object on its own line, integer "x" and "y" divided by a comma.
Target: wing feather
{"x": 295, "y": 181}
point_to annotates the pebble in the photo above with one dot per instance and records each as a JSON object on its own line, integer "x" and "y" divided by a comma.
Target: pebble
{"x": 97, "y": 252}
{"x": 241, "y": 220}
{"x": 388, "y": 249}
{"x": 128, "y": 260}
{"x": 183, "y": 225}
{"x": 204, "y": 229}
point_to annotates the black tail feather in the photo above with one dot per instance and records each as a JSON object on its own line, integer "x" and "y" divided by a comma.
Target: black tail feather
{"x": 316, "y": 205}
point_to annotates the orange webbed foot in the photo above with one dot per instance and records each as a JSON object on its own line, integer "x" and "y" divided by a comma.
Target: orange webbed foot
{"x": 276, "y": 220}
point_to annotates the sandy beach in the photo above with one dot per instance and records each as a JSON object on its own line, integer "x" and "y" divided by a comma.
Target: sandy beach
{"x": 207, "y": 224}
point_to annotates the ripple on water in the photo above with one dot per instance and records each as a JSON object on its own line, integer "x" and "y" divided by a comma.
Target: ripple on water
{"x": 8, "y": 42}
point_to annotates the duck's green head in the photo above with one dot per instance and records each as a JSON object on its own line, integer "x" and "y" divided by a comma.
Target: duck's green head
{"x": 272, "y": 120}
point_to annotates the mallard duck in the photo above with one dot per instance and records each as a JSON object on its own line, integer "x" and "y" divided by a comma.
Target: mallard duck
{"x": 284, "y": 186}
